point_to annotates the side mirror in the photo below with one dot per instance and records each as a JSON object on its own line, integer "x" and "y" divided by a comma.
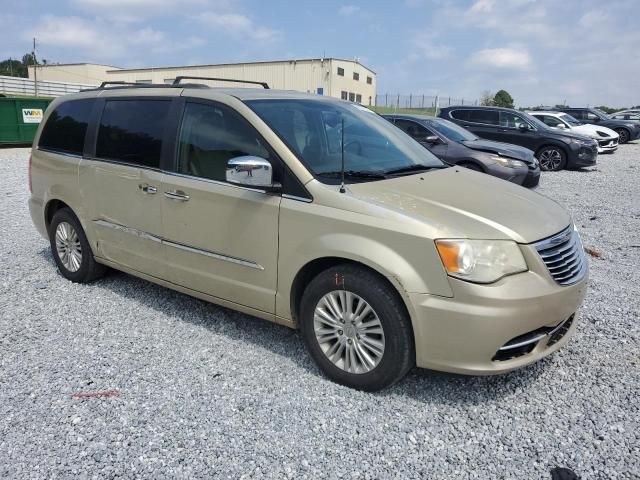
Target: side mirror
{"x": 432, "y": 139}
{"x": 523, "y": 127}
{"x": 252, "y": 172}
{"x": 561, "y": 126}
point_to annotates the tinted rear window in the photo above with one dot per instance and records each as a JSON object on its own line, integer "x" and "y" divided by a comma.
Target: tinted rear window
{"x": 131, "y": 131}
{"x": 66, "y": 127}
{"x": 460, "y": 114}
{"x": 489, "y": 117}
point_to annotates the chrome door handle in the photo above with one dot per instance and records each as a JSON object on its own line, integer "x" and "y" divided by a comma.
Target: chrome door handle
{"x": 177, "y": 195}
{"x": 146, "y": 188}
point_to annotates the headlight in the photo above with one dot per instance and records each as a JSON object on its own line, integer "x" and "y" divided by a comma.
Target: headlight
{"x": 585, "y": 142}
{"x": 481, "y": 261}
{"x": 507, "y": 162}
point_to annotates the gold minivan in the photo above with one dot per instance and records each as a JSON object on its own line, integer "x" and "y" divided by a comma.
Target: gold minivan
{"x": 311, "y": 212}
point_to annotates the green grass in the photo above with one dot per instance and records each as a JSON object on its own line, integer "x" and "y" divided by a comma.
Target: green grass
{"x": 383, "y": 110}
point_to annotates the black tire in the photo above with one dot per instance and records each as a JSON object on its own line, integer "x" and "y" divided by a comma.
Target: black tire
{"x": 472, "y": 166}
{"x": 89, "y": 270}
{"x": 624, "y": 135}
{"x": 398, "y": 356}
{"x": 554, "y": 158}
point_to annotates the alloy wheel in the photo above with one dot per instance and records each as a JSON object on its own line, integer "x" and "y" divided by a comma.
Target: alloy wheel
{"x": 68, "y": 246}
{"x": 550, "y": 159}
{"x": 624, "y": 135}
{"x": 349, "y": 331}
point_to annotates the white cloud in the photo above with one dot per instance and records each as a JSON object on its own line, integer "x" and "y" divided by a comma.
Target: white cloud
{"x": 426, "y": 46}
{"x": 348, "y": 10}
{"x": 237, "y": 25}
{"x": 507, "y": 58}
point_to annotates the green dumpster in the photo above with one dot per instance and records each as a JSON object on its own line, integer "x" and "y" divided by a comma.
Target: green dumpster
{"x": 20, "y": 117}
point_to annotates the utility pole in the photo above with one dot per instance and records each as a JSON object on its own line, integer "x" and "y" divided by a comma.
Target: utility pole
{"x": 35, "y": 67}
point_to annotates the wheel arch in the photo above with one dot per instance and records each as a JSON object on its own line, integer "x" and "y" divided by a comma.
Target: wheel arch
{"x": 51, "y": 208}
{"x": 314, "y": 267}
{"x": 555, "y": 145}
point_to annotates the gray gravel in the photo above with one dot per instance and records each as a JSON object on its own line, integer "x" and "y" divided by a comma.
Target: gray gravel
{"x": 207, "y": 392}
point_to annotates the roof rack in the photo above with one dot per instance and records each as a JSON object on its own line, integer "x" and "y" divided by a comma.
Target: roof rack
{"x": 117, "y": 82}
{"x": 176, "y": 82}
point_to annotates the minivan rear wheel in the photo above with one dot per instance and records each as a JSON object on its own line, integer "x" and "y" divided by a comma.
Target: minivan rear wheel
{"x": 71, "y": 250}
{"x": 552, "y": 159}
{"x": 356, "y": 328}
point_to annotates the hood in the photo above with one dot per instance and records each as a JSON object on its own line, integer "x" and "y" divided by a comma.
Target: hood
{"x": 613, "y": 123}
{"x": 503, "y": 149}
{"x": 459, "y": 203}
{"x": 568, "y": 134}
{"x": 592, "y": 130}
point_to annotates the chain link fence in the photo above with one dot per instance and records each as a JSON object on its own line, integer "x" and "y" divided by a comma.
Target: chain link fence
{"x": 420, "y": 102}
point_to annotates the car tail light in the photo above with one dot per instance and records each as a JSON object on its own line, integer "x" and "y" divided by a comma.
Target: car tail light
{"x": 30, "y": 180}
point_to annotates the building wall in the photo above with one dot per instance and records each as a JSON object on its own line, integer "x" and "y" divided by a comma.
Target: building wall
{"x": 347, "y": 83}
{"x": 308, "y": 75}
{"x": 88, "y": 73}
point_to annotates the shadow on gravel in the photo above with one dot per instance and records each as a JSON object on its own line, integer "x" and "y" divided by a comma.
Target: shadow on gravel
{"x": 422, "y": 385}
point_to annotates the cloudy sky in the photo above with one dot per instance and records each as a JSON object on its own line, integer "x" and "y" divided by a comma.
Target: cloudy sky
{"x": 541, "y": 51}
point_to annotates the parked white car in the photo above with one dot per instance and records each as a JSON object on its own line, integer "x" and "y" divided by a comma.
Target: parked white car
{"x": 607, "y": 139}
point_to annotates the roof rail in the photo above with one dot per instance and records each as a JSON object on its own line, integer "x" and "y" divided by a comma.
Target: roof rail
{"x": 117, "y": 82}
{"x": 176, "y": 82}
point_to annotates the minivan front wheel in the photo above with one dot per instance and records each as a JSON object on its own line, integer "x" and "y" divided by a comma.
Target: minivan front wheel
{"x": 71, "y": 250}
{"x": 356, "y": 328}
{"x": 552, "y": 159}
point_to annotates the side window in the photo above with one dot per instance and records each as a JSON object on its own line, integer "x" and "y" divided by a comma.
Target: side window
{"x": 131, "y": 131}
{"x": 412, "y": 129}
{"x": 577, "y": 114}
{"x": 591, "y": 117}
{"x": 551, "y": 121}
{"x": 488, "y": 117}
{"x": 66, "y": 127}
{"x": 210, "y": 136}
{"x": 460, "y": 114}
{"x": 512, "y": 120}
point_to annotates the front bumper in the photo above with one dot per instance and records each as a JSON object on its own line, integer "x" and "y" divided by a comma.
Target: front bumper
{"x": 533, "y": 177}
{"x": 465, "y": 334}
{"x": 515, "y": 175}
{"x": 582, "y": 156}
{"x": 607, "y": 145}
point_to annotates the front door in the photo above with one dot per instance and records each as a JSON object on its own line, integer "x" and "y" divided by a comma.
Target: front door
{"x": 220, "y": 239}
{"x": 420, "y": 133}
{"x": 125, "y": 180}
{"x": 515, "y": 129}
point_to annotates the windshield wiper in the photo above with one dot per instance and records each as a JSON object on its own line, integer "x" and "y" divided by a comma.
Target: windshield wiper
{"x": 413, "y": 169}
{"x": 353, "y": 174}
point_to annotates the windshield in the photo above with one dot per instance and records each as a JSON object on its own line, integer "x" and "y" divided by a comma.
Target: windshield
{"x": 569, "y": 119}
{"x": 601, "y": 114}
{"x": 534, "y": 121}
{"x": 313, "y": 130}
{"x": 450, "y": 130}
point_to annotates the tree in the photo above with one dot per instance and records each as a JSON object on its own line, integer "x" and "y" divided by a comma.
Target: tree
{"x": 486, "y": 98}
{"x": 18, "y": 68}
{"x": 503, "y": 99}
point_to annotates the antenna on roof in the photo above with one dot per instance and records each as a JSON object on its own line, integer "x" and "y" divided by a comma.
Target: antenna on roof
{"x": 342, "y": 189}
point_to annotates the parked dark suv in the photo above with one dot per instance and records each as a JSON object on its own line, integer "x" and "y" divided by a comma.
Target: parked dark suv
{"x": 627, "y": 129}
{"x": 456, "y": 146}
{"x": 554, "y": 149}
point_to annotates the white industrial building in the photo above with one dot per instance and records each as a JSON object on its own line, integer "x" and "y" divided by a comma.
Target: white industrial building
{"x": 346, "y": 79}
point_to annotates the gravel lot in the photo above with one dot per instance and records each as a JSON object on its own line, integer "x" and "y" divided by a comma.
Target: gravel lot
{"x": 204, "y": 391}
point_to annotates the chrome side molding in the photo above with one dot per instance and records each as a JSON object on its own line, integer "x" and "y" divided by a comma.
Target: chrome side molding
{"x": 180, "y": 246}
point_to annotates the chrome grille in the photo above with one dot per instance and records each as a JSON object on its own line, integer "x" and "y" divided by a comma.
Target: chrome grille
{"x": 564, "y": 256}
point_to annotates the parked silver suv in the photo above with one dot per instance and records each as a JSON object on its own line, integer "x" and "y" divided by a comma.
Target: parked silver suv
{"x": 310, "y": 212}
